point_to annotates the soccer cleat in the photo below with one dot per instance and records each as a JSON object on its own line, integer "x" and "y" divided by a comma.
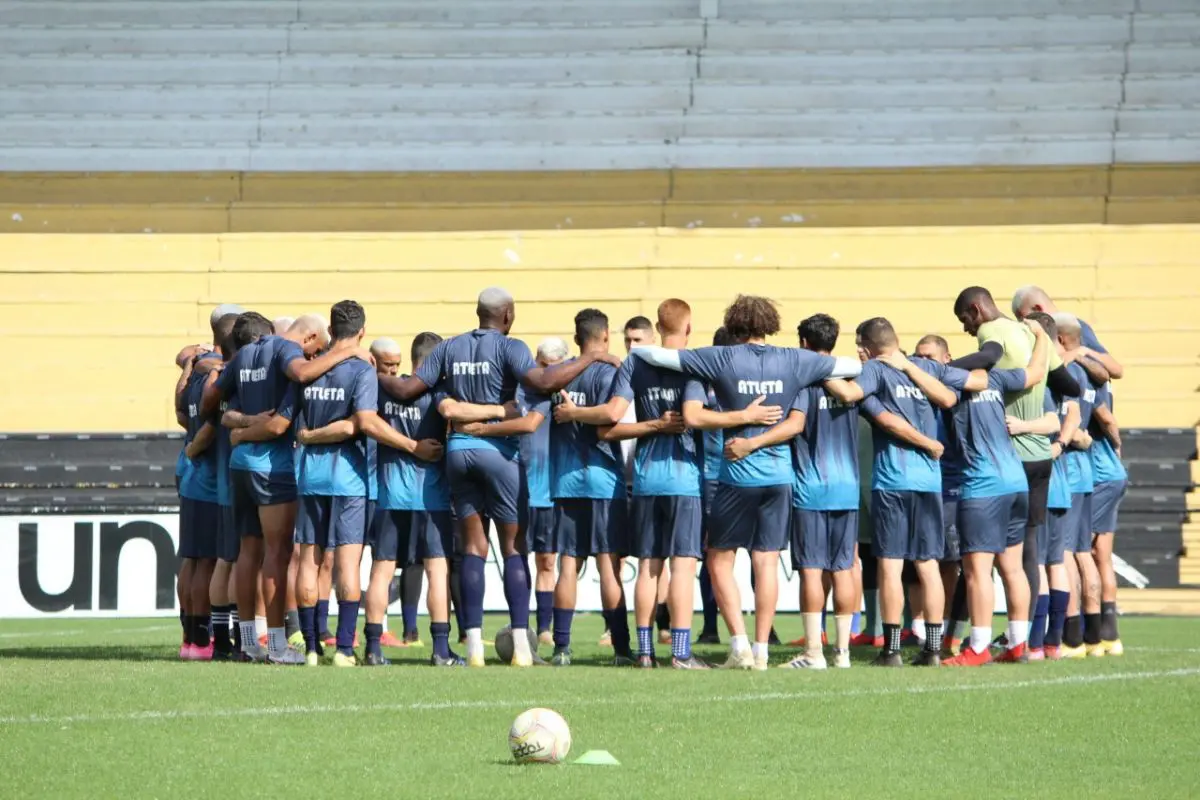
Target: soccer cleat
{"x": 805, "y": 662}
{"x": 389, "y": 639}
{"x": 866, "y": 640}
{"x": 664, "y": 637}
{"x": 927, "y": 658}
{"x": 690, "y": 662}
{"x": 538, "y": 661}
{"x": 624, "y": 660}
{"x": 185, "y": 652}
{"x": 1053, "y": 652}
{"x": 1036, "y": 654}
{"x": 1014, "y": 655}
{"x": 969, "y": 658}
{"x": 646, "y": 662}
{"x": 453, "y": 660}
{"x": 1114, "y": 648}
{"x": 312, "y": 659}
{"x": 561, "y": 657}
{"x": 340, "y": 659}
{"x": 910, "y": 639}
{"x": 1095, "y": 650}
{"x": 287, "y": 657}
{"x": 476, "y": 659}
{"x": 841, "y": 658}
{"x": 954, "y": 646}
{"x": 522, "y": 660}
{"x": 1074, "y": 652}
{"x": 262, "y": 640}
{"x": 708, "y": 637}
{"x": 803, "y": 641}
{"x": 296, "y": 640}
{"x": 761, "y": 663}
{"x": 1000, "y": 642}
{"x": 546, "y": 637}
{"x": 773, "y": 638}
{"x": 888, "y": 658}
{"x": 742, "y": 660}
{"x": 258, "y": 655}
{"x": 328, "y": 639}
{"x": 199, "y": 653}
{"x": 224, "y": 655}
{"x": 605, "y": 638}
{"x": 373, "y": 660}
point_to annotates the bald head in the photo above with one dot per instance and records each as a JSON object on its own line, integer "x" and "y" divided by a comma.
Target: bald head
{"x": 223, "y": 310}
{"x": 311, "y": 333}
{"x": 496, "y": 309}
{"x": 551, "y": 351}
{"x": 1070, "y": 332}
{"x": 282, "y": 325}
{"x": 1029, "y": 299}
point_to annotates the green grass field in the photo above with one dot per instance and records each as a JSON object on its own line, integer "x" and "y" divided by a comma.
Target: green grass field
{"x": 103, "y": 709}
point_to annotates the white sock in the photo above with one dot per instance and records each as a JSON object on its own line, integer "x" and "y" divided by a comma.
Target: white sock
{"x": 980, "y": 639}
{"x": 249, "y": 637}
{"x": 521, "y": 642}
{"x": 918, "y": 629}
{"x": 260, "y": 627}
{"x": 842, "y": 623}
{"x": 385, "y": 623}
{"x": 475, "y": 640}
{"x": 812, "y": 633}
{"x": 759, "y": 649}
{"x": 1018, "y": 632}
{"x": 739, "y": 643}
{"x": 276, "y": 640}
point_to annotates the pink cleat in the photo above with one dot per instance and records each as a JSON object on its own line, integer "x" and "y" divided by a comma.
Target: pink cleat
{"x": 185, "y": 652}
{"x": 200, "y": 653}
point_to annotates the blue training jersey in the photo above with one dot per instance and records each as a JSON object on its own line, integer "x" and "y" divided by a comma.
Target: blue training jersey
{"x": 741, "y": 373}
{"x": 663, "y": 464}
{"x": 581, "y": 465}
{"x": 483, "y": 367}
{"x": 407, "y": 483}
{"x": 714, "y": 441}
{"x": 224, "y": 448}
{"x": 535, "y": 449}
{"x": 1059, "y": 495}
{"x": 899, "y": 466}
{"x": 337, "y": 469}
{"x": 993, "y": 467}
{"x": 952, "y": 462}
{"x": 199, "y": 481}
{"x": 1106, "y": 464}
{"x": 257, "y": 376}
{"x": 826, "y": 453}
{"x": 1079, "y": 462}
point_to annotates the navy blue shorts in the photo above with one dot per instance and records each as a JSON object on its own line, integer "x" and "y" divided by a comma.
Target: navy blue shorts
{"x": 539, "y": 530}
{"x": 584, "y": 527}
{"x": 1052, "y": 535}
{"x": 199, "y": 522}
{"x": 484, "y": 482}
{"x": 331, "y": 521}
{"x": 254, "y": 489}
{"x": 1106, "y": 500}
{"x": 410, "y": 537}
{"x": 992, "y": 524}
{"x": 709, "y": 490}
{"x": 953, "y": 548}
{"x": 908, "y": 525}
{"x": 754, "y": 518}
{"x": 1077, "y": 537}
{"x": 824, "y": 539}
{"x": 667, "y": 526}
{"x": 229, "y": 544}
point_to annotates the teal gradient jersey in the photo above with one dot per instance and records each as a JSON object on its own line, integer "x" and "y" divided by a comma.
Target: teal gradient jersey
{"x": 1060, "y": 485}
{"x": 257, "y": 376}
{"x": 663, "y": 464}
{"x": 199, "y": 480}
{"x": 992, "y": 466}
{"x": 1106, "y": 464}
{"x": 1079, "y": 462}
{"x": 714, "y": 441}
{"x": 337, "y": 469}
{"x": 535, "y": 448}
{"x": 826, "y": 453}
{"x": 581, "y": 464}
{"x": 407, "y": 483}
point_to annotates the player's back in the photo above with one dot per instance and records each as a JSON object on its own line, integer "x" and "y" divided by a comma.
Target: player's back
{"x": 257, "y": 377}
{"x": 406, "y": 482}
{"x": 1059, "y": 495}
{"x": 664, "y": 464}
{"x": 582, "y": 465}
{"x": 714, "y": 442}
{"x": 341, "y": 468}
{"x": 826, "y": 452}
{"x": 535, "y": 448}
{"x": 1106, "y": 464}
{"x": 900, "y": 466}
{"x": 952, "y": 462}
{"x": 992, "y": 467}
{"x": 1079, "y": 462}
{"x": 200, "y": 480}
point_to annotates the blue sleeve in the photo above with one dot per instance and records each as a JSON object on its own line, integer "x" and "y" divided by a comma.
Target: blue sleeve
{"x": 227, "y": 380}
{"x": 1088, "y": 338}
{"x": 812, "y": 367}
{"x": 286, "y": 352}
{"x": 1008, "y": 380}
{"x": 366, "y": 391}
{"x": 520, "y": 360}
{"x": 705, "y": 362}
{"x": 603, "y": 378}
{"x": 872, "y": 407}
{"x": 953, "y": 377}
{"x": 432, "y": 368}
{"x": 695, "y": 390}
{"x": 287, "y": 404}
{"x": 803, "y": 398}
{"x": 868, "y": 380}
{"x": 623, "y": 383}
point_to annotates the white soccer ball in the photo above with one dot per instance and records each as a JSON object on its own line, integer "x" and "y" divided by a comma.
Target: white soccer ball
{"x": 539, "y": 736}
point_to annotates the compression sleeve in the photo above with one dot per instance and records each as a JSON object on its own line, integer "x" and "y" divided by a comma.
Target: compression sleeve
{"x": 985, "y": 358}
{"x": 658, "y": 356}
{"x": 846, "y": 367}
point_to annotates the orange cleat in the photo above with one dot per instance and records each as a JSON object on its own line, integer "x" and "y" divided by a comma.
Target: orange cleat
{"x": 1014, "y": 655}
{"x": 866, "y": 640}
{"x": 1053, "y": 652}
{"x": 803, "y": 640}
{"x": 969, "y": 658}
{"x": 389, "y": 639}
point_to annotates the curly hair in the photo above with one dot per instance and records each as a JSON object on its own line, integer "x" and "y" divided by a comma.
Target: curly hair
{"x": 751, "y": 317}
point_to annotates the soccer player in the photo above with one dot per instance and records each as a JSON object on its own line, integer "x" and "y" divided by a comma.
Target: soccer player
{"x": 282, "y": 325}
{"x": 1111, "y": 480}
{"x": 906, "y": 496}
{"x": 263, "y": 467}
{"x": 714, "y": 454}
{"x": 752, "y": 504}
{"x": 484, "y": 367}
{"x": 667, "y": 508}
{"x": 993, "y": 505}
{"x": 1029, "y": 299}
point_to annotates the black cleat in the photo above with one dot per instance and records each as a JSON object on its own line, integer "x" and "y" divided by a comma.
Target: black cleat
{"x": 927, "y": 658}
{"x": 646, "y": 662}
{"x": 223, "y": 655}
{"x": 624, "y": 660}
{"x": 376, "y": 660}
{"x": 454, "y": 660}
{"x": 773, "y": 639}
{"x": 888, "y": 658}
{"x": 561, "y": 657}
{"x": 708, "y": 637}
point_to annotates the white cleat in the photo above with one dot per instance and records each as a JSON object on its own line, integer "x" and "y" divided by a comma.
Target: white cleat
{"x": 287, "y": 657}
{"x": 742, "y": 660}
{"x": 806, "y": 662}
{"x": 841, "y": 659}
{"x": 761, "y": 663}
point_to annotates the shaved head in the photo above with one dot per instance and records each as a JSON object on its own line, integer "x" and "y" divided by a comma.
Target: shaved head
{"x": 1070, "y": 332}
{"x": 282, "y": 325}
{"x": 1031, "y": 298}
{"x": 224, "y": 310}
{"x": 496, "y": 309}
{"x": 311, "y": 333}
{"x": 551, "y": 351}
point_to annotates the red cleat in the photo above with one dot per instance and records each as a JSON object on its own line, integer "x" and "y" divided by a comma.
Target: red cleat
{"x": 910, "y": 639}
{"x": 1037, "y": 654}
{"x": 866, "y": 640}
{"x": 1053, "y": 652}
{"x": 388, "y": 639}
{"x": 969, "y": 658}
{"x": 1013, "y": 655}
{"x": 803, "y": 640}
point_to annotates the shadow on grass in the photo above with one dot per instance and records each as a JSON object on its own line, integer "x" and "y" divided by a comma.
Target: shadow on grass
{"x": 99, "y": 653}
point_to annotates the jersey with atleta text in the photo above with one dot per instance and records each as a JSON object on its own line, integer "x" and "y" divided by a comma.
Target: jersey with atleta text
{"x": 826, "y": 453}
{"x": 337, "y": 469}
{"x": 581, "y": 464}
{"x": 407, "y": 483}
{"x": 992, "y": 465}
{"x": 258, "y": 377}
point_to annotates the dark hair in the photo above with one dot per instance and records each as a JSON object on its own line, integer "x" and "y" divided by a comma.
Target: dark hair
{"x": 819, "y": 332}
{"x": 877, "y": 333}
{"x": 249, "y": 328}
{"x": 751, "y": 317}
{"x": 223, "y": 335}
{"x": 970, "y": 296}
{"x": 721, "y": 338}
{"x": 1046, "y": 321}
{"x": 639, "y": 324}
{"x": 422, "y": 346}
{"x": 346, "y": 319}
{"x": 590, "y": 324}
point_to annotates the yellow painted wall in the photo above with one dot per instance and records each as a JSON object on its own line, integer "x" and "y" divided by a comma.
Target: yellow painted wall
{"x": 92, "y": 322}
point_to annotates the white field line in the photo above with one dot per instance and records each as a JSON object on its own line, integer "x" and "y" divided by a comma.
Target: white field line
{"x": 456, "y": 705}
{"x": 80, "y": 631}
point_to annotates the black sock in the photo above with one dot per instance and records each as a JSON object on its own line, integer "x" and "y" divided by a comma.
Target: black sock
{"x": 1073, "y": 631}
{"x": 891, "y": 637}
{"x": 1091, "y": 629}
{"x": 1108, "y": 622}
{"x": 663, "y": 617}
{"x": 933, "y": 637}
{"x": 221, "y": 640}
{"x": 235, "y": 631}
{"x": 188, "y": 627}
{"x": 200, "y": 630}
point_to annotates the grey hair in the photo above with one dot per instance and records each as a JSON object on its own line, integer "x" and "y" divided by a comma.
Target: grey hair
{"x": 552, "y": 350}
{"x": 1021, "y": 295}
{"x": 223, "y": 310}
{"x": 282, "y": 325}
{"x": 384, "y": 346}
{"x": 1067, "y": 323}
{"x": 494, "y": 300}
{"x": 312, "y": 323}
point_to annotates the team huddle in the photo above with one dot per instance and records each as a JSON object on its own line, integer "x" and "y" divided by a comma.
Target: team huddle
{"x": 897, "y": 482}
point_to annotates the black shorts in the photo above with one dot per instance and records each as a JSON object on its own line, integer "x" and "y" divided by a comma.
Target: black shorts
{"x": 1037, "y": 474}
